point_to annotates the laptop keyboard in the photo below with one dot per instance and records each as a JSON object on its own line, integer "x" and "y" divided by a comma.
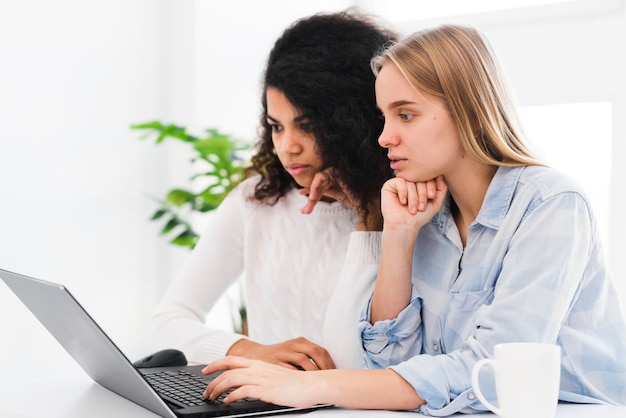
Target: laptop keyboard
{"x": 182, "y": 386}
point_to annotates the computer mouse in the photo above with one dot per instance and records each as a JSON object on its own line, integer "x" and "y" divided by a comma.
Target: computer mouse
{"x": 164, "y": 358}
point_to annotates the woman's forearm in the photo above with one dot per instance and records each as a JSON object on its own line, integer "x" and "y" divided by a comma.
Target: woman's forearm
{"x": 392, "y": 292}
{"x": 366, "y": 389}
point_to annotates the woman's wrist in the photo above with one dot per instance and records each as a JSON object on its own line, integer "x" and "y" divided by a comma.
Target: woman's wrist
{"x": 241, "y": 347}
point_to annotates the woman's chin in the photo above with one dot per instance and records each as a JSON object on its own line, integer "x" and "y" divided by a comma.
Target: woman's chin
{"x": 302, "y": 182}
{"x": 412, "y": 177}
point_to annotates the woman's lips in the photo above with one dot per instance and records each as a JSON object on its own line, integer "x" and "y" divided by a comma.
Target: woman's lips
{"x": 396, "y": 162}
{"x": 296, "y": 169}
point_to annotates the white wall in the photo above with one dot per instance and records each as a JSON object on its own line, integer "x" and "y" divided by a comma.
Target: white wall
{"x": 73, "y": 76}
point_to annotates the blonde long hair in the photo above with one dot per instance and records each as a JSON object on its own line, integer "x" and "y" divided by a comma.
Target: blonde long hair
{"x": 457, "y": 65}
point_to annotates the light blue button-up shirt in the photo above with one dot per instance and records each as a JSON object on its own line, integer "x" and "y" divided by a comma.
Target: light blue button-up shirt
{"x": 532, "y": 270}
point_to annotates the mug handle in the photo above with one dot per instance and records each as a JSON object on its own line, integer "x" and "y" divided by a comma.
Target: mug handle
{"x": 479, "y": 364}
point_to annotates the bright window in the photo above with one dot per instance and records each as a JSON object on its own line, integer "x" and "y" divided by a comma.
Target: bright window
{"x": 576, "y": 139}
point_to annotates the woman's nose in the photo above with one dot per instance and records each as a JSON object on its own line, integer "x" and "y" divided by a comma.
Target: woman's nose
{"x": 387, "y": 138}
{"x": 290, "y": 142}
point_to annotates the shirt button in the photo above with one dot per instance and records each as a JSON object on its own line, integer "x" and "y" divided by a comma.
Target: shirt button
{"x": 471, "y": 396}
{"x": 436, "y": 347}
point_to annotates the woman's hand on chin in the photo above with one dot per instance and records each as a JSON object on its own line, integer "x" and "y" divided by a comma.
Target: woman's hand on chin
{"x": 413, "y": 204}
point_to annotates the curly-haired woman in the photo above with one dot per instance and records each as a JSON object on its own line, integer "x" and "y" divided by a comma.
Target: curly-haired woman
{"x": 319, "y": 170}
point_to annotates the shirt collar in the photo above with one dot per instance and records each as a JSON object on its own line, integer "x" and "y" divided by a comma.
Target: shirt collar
{"x": 496, "y": 203}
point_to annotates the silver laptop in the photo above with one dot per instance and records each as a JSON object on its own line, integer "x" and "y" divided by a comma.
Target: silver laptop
{"x": 103, "y": 361}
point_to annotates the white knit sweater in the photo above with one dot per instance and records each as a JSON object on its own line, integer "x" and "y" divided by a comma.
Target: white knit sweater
{"x": 291, "y": 263}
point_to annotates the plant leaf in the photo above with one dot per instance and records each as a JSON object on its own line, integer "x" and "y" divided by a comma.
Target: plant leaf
{"x": 170, "y": 225}
{"x": 187, "y": 238}
{"x": 179, "y": 197}
{"x": 158, "y": 214}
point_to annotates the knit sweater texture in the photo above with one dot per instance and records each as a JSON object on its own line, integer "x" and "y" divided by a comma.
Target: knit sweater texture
{"x": 290, "y": 265}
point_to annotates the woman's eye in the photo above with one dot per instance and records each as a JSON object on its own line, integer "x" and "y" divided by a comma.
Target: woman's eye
{"x": 306, "y": 127}
{"x": 275, "y": 128}
{"x": 405, "y": 117}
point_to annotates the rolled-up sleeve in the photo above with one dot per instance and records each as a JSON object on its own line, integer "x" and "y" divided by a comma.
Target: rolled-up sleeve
{"x": 390, "y": 341}
{"x": 444, "y": 393}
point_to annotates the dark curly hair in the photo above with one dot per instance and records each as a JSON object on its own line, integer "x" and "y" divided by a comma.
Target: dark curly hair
{"x": 322, "y": 65}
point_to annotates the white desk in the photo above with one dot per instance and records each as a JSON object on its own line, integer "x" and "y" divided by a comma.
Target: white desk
{"x": 38, "y": 379}
{"x": 74, "y": 395}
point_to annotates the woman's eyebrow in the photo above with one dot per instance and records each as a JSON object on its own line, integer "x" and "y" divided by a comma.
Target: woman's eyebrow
{"x": 303, "y": 117}
{"x": 300, "y": 118}
{"x": 400, "y": 103}
{"x": 397, "y": 104}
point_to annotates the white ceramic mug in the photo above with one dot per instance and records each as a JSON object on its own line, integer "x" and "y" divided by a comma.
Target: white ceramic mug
{"x": 527, "y": 377}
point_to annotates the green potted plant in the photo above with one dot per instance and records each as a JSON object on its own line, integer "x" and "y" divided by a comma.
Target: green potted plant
{"x": 220, "y": 165}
